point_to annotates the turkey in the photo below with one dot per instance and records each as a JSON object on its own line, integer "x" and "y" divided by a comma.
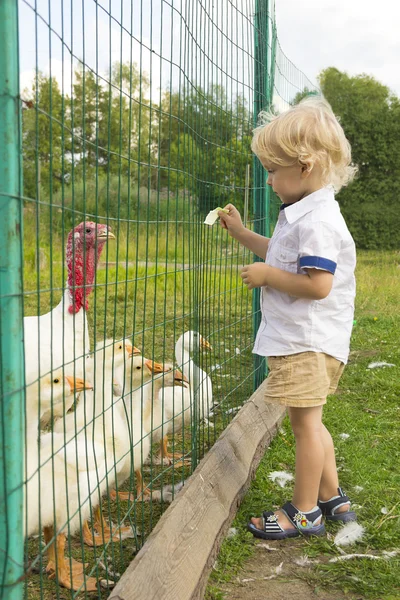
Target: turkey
{"x": 61, "y": 336}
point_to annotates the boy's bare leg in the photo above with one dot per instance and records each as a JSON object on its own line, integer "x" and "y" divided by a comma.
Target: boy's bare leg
{"x": 310, "y": 458}
{"x": 329, "y": 481}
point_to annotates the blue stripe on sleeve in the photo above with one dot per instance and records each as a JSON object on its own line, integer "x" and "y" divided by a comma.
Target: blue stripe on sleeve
{"x": 317, "y": 262}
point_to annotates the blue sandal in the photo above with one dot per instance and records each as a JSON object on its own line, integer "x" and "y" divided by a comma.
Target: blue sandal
{"x": 330, "y": 507}
{"x": 304, "y": 524}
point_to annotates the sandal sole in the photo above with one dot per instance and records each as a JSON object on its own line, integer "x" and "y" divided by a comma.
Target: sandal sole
{"x": 345, "y": 517}
{"x": 259, "y": 533}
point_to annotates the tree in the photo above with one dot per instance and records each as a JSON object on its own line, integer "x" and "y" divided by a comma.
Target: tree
{"x": 370, "y": 116}
{"x": 44, "y": 123}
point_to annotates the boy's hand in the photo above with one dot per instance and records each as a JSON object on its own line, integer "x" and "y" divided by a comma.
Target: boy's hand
{"x": 231, "y": 221}
{"x": 255, "y": 275}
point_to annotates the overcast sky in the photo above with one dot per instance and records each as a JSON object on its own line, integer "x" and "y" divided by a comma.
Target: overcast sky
{"x": 356, "y": 36}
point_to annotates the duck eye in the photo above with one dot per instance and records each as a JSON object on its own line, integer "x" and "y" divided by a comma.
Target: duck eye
{"x": 56, "y": 380}
{"x": 119, "y": 347}
{"x": 138, "y": 368}
{"x": 88, "y": 230}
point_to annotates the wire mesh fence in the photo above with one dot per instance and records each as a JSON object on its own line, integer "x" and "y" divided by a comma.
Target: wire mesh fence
{"x": 123, "y": 124}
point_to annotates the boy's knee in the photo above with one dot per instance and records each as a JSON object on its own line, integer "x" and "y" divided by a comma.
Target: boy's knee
{"x": 306, "y": 422}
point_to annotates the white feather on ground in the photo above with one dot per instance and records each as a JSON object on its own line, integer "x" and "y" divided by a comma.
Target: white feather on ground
{"x": 280, "y": 477}
{"x": 275, "y": 572}
{"x": 386, "y": 555}
{"x": 350, "y": 556}
{"x": 377, "y": 365}
{"x": 304, "y": 561}
{"x": 349, "y": 534}
{"x": 267, "y": 547}
{"x": 390, "y": 553}
{"x": 231, "y": 532}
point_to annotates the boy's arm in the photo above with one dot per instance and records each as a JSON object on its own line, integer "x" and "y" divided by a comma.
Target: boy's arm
{"x": 232, "y": 222}
{"x": 315, "y": 285}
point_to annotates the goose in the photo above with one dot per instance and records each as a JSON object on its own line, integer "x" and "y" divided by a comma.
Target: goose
{"x": 61, "y": 336}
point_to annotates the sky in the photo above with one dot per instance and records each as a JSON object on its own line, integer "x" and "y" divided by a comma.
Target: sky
{"x": 177, "y": 41}
{"x": 356, "y": 36}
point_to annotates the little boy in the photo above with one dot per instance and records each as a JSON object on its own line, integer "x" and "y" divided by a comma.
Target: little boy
{"x": 307, "y": 301}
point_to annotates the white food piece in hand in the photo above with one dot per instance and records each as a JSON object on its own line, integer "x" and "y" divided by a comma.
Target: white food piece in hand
{"x": 213, "y": 215}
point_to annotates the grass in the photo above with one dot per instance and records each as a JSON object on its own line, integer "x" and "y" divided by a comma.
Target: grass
{"x": 367, "y": 408}
{"x": 162, "y": 279}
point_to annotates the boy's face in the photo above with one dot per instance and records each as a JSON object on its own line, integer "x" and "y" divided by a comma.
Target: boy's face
{"x": 289, "y": 183}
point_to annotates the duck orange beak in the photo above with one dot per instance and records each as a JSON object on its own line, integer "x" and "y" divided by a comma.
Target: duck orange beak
{"x": 77, "y": 384}
{"x": 204, "y": 344}
{"x": 180, "y": 378}
{"x": 155, "y": 367}
{"x": 133, "y": 351}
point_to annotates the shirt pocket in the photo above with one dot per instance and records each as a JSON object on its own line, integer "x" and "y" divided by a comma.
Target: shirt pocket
{"x": 286, "y": 259}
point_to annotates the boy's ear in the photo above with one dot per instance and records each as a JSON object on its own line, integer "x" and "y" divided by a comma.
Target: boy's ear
{"x": 306, "y": 169}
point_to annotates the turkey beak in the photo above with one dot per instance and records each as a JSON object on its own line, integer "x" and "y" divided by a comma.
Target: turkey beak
{"x": 105, "y": 234}
{"x": 204, "y": 344}
{"x": 77, "y": 384}
{"x": 133, "y": 351}
{"x": 155, "y": 367}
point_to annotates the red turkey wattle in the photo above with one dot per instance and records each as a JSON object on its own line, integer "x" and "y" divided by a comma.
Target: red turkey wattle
{"x": 61, "y": 336}
{"x": 84, "y": 247}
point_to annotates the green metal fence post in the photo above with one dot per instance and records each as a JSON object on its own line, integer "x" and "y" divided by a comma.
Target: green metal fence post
{"x": 11, "y": 324}
{"x": 260, "y": 189}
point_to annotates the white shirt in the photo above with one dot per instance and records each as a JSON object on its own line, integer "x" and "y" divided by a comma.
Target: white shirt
{"x": 310, "y": 233}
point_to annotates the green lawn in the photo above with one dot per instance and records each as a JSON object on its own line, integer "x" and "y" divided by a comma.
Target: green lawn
{"x": 162, "y": 279}
{"x": 367, "y": 408}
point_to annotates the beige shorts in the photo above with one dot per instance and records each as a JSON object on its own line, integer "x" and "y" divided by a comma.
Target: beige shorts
{"x": 302, "y": 380}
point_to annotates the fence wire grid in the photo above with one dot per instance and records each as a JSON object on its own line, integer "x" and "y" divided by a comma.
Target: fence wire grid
{"x": 126, "y": 332}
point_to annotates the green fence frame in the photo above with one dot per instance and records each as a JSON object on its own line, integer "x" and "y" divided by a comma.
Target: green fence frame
{"x": 261, "y": 192}
{"x": 11, "y": 311}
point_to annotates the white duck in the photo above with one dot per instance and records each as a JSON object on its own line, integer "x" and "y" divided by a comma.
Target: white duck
{"x": 61, "y": 336}
{"x": 98, "y": 419}
{"x": 113, "y": 355}
{"x": 86, "y": 464}
{"x": 173, "y": 395}
{"x": 50, "y": 396}
{"x": 53, "y": 481}
{"x": 185, "y": 404}
{"x": 139, "y": 389}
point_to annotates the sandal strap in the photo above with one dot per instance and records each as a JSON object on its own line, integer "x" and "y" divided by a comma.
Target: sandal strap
{"x": 270, "y": 522}
{"x": 331, "y": 506}
{"x": 302, "y": 520}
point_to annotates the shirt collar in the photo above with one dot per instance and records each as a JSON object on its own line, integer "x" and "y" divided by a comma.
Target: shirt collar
{"x": 293, "y": 212}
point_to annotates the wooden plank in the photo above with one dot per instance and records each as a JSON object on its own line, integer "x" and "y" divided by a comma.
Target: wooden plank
{"x": 175, "y": 562}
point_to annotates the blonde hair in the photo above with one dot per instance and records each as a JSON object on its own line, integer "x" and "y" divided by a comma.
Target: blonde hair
{"x": 308, "y": 133}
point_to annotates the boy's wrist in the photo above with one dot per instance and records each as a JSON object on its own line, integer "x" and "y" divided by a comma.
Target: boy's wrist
{"x": 242, "y": 235}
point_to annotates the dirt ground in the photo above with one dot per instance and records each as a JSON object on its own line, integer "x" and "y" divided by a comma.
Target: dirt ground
{"x": 274, "y": 575}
